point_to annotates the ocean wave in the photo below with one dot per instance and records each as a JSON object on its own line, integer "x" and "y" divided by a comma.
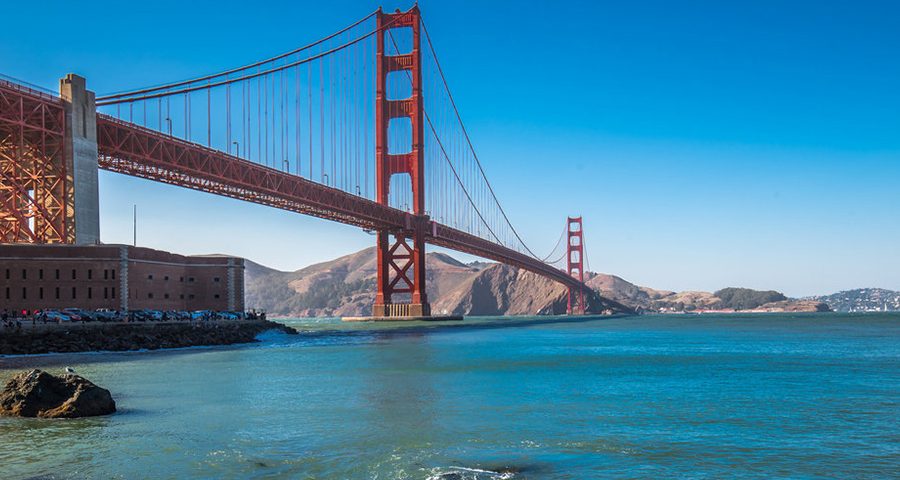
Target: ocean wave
{"x": 466, "y": 473}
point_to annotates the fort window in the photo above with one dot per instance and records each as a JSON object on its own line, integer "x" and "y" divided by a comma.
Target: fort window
{"x": 166, "y": 296}
{"x": 216, "y": 296}
{"x": 216, "y": 279}
{"x": 57, "y": 274}
{"x": 190, "y": 279}
{"x": 73, "y": 293}
{"x": 90, "y": 274}
{"x": 24, "y": 293}
{"x": 181, "y": 296}
{"x": 150, "y": 295}
{"x": 41, "y": 274}
{"x": 105, "y": 293}
{"x": 7, "y": 274}
{"x": 57, "y": 293}
{"x": 181, "y": 279}
{"x": 41, "y": 293}
{"x": 7, "y": 293}
{"x": 113, "y": 292}
{"x": 105, "y": 274}
{"x": 90, "y": 292}
{"x": 113, "y": 272}
{"x": 74, "y": 274}
{"x": 24, "y": 274}
{"x": 191, "y": 296}
{"x": 150, "y": 277}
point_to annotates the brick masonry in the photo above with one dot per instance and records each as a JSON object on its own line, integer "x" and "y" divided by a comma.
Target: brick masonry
{"x": 118, "y": 277}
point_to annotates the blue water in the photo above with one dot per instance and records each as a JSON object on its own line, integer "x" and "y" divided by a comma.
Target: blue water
{"x": 765, "y": 396}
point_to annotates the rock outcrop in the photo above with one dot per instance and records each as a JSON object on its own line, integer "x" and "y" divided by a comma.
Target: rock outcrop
{"x": 39, "y": 394}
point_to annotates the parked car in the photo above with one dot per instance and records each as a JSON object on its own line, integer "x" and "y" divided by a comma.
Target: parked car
{"x": 83, "y": 315}
{"x": 72, "y": 313}
{"x": 56, "y": 316}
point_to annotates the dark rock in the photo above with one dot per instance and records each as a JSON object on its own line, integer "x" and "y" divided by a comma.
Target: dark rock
{"x": 40, "y": 394}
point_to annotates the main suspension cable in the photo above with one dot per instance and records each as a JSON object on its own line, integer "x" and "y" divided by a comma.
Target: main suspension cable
{"x": 235, "y": 70}
{"x": 111, "y": 100}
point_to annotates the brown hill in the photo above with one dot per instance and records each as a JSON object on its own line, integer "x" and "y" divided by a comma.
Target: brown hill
{"x": 346, "y": 286}
{"x": 623, "y": 291}
{"x": 664, "y": 301}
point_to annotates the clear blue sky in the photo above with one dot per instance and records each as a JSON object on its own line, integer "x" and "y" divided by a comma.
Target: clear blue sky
{"x": 707, "y": 144}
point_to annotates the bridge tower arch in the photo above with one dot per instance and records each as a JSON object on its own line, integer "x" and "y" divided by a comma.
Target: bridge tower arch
{"x": 401, "y": 253}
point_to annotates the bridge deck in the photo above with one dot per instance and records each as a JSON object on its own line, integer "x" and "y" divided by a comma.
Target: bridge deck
{"x": 137, "y": 151}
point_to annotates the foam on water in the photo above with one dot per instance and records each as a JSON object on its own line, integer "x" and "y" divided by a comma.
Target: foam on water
{"x": 464, "y": 473}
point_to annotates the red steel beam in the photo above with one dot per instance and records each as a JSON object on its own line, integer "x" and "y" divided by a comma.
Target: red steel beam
{"x": 35, "y": 194}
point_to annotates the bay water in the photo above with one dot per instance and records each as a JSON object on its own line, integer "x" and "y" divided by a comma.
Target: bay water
{"x": 679, "y": 396}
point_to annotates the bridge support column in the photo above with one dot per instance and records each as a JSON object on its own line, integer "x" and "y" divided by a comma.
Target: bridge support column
{"x": 401, "y": 276}
{"x": 575, "y": 264}
{"x": 81, "y": 156}
{"x": 401, "y": 261}
{"x": 35, "y": 183}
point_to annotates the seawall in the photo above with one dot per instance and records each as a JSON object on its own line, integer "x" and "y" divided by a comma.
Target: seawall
{"x": 77, "y": 337}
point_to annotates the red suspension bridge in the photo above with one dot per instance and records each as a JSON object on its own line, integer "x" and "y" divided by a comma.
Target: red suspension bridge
{"x": 354, "y": 128}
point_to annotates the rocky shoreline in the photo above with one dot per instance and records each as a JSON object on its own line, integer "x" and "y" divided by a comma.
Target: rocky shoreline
{"x": 68, "y": 338}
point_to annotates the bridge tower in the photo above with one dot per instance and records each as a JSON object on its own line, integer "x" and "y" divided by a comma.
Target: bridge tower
{"x": 575, "y": 264}
{"x": 401, "y": 253}
{"x": 48, "y": 164}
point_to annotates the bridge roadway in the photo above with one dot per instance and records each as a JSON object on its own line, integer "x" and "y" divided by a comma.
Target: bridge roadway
{"x": 137, "y": 151}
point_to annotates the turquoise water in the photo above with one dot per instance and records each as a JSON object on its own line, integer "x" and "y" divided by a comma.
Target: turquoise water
{"x": 766, "y": 396}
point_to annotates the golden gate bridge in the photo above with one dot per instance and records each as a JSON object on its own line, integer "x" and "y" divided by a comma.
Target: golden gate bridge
{"x": 359, "y": 127}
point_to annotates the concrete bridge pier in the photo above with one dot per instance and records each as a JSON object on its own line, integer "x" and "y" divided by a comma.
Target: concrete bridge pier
{"x": 81, "y": 157}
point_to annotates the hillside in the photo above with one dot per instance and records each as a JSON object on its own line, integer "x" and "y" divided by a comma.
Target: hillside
{"x": 862, "y": 300}
{"x": 726, "y": 300}
{"x": 346, "y": 287}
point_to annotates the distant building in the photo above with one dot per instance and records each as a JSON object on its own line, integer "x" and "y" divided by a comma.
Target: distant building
{"x": 118, "y": 277}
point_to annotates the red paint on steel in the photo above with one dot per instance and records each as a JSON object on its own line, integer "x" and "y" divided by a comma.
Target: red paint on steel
{"x": 395, "y": 260}
{"x": 36, "y": 203}
{"x": 575, "y": 264}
